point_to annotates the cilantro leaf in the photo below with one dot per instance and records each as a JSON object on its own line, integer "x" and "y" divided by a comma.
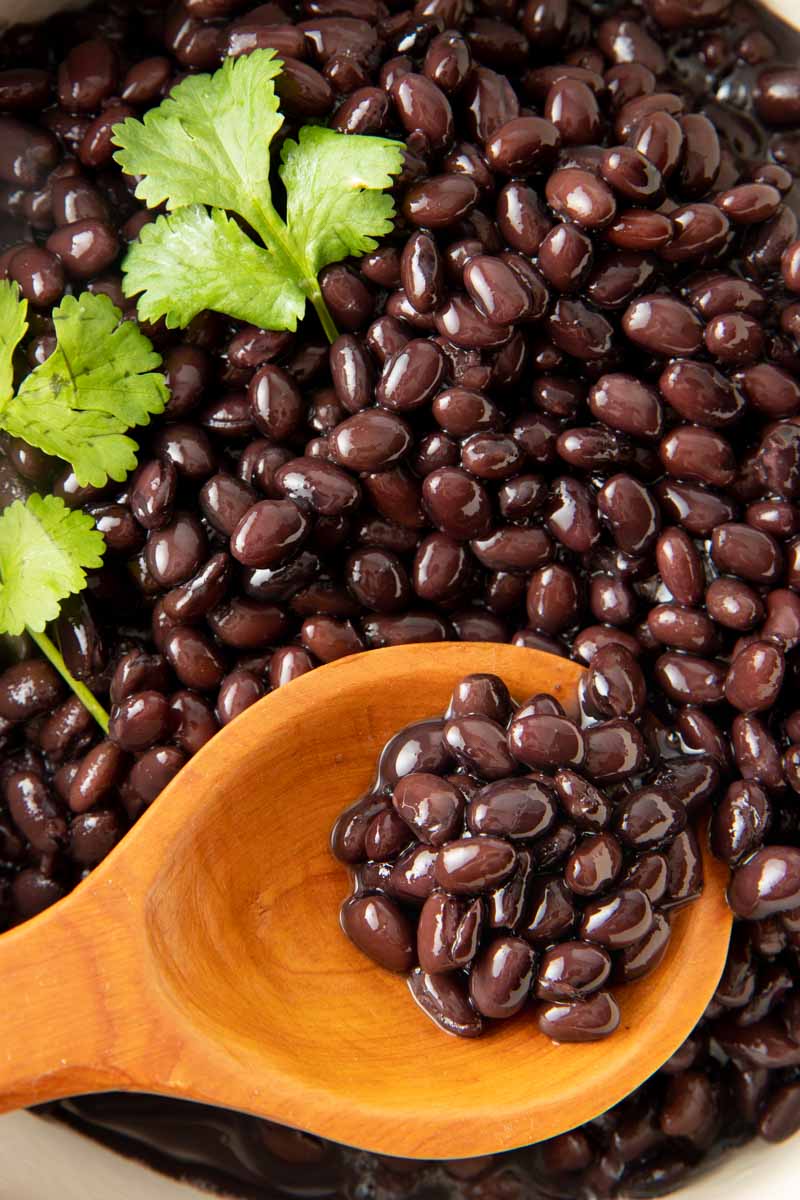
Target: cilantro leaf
{"x": 45, "y": 548}
{"x": 207, "y": 145}
{"x": 13, "y": 324}
{"x": 194, "y": 260}
{"x": 335, "y": 184}
{"x": 208, "y": 142}
{"x": 99, "y": 381}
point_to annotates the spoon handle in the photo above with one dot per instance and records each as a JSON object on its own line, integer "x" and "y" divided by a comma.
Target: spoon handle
{"x": 70, "y": 1022}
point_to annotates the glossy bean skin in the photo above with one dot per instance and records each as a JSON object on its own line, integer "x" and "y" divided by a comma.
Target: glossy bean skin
{"x": 552, "y": 911}
{"x": 663, "y": 326}
{"x": 448, "y": 933}
{"x": 512, "y": 808}
{"x": 431, "y": 807}
{"x": 755, "y": 677}
{"x": 523, "y": 145}
{"x": 740, "y": 821}
{"x": 268, "y": 532}
{"x": 378, "y": 928}
{"x": 370, "y": 440}
{"x": 445, "y": 1002}
{"x": 572, "y": 971}
{"x": 97, "y": 773}
{"x": 619, "y": 921}
{"x": 648, "y": 818}
{"x": 594, "y": 865}
{"x": 766, "y": 883}
{"x": 501, "y": 979}
{"x": 546, "y": 741}
{"x": 580, "y": 1021}
{"x": 646, "y": 955}
{"x": 614, "y": 750}
{"x": 34, "y": 812}
{"x": 473, "y": 865}
{"x": 486, "y": 695}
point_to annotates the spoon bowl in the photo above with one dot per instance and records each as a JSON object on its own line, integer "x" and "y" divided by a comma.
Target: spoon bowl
{"x": 203, "y": 958}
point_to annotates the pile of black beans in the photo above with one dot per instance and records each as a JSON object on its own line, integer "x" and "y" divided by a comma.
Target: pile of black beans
{"x": 506, "y": 853}
{"x": 564, "y": 411}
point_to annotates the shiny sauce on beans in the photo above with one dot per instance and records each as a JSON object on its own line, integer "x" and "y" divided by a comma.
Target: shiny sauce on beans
{"x": 530, "y": 899}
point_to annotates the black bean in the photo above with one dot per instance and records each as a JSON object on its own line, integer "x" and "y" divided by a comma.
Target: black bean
{"x": 501, "y": 978}
{"x": 580, "y": 1021}
{"x": 572, "y": 971}
{"x": 431, "y": 807}
{"x": 444, "y": 1000}
{"x": 378, "y": 927}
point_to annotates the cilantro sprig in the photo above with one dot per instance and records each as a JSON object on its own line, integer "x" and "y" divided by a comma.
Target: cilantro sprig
{"x": 100, "y": 380}
{"x": 204, "y": 153}
{"x": 45, "y": 550}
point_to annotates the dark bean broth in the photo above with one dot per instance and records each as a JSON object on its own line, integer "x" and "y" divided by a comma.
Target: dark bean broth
{"x": 561, "y": 412}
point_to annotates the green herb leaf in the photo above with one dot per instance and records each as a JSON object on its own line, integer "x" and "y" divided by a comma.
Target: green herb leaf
{"x": 336, "y": 203}
{"x": 98, "y": 382}
{"x": 208, "y": 145}
{"x": 13, "y": 324}
{"x": 195, "y": 260}
{"x": 45, "y": 548}
{"x": 208, "y": 142}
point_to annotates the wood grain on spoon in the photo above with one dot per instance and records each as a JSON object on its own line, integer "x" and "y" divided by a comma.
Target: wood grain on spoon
{"x": 203, "y": 958}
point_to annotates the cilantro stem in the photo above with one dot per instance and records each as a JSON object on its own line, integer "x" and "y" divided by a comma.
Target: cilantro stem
{"x": 87, "y": 699}
{"x": 275, "y": 236}
{"x": 325, "y": 318}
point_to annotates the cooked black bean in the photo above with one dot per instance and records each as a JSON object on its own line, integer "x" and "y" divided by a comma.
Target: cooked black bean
{"x": 432, "y": 807}
{"x": 379, "y": 929}
{"x": 202, "y": 592}
{"x": 139, "y": 720}
{"x": 663, "y": 325}
{"x": 440, "y": 201}
{"x": 500, "y": 980}
{"x": 86, "y": 248}
{"x": 613, "y": 750}
{"x": 423, "y": 106}
{"x": 34, "y": 812}
{"x": 444, "y": 1000}
{"x": 594, "y": 865}
{"x": 448, "y": 932}
{"x": 458, "y": 505}
{"x": 269, "y": 532}
{"x": 649, "y": 817}
{"x": 565, "y": 256}
{"x": 27, "y": 689}
{"x": 618, "y": 921}
{"x": 546, "y": 741}
{"x": 571, "y": 971}
{"x": 615, "y": 682}
{"x": 514, "y": 808}
{"x": 766, "y": 883}
{"x": 370, "y": 440}
{"x": 586, "y": 1020}
{"x": 97, "y": 773}
{"x": 471, "y": 865}
{"x": 581, "y": 197}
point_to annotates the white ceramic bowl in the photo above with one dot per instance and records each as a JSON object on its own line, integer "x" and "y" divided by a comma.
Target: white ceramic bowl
{"x": 42, "y": 1160}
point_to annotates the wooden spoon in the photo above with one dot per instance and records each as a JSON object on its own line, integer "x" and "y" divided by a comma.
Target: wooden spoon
{"x": 203, "y": 958}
